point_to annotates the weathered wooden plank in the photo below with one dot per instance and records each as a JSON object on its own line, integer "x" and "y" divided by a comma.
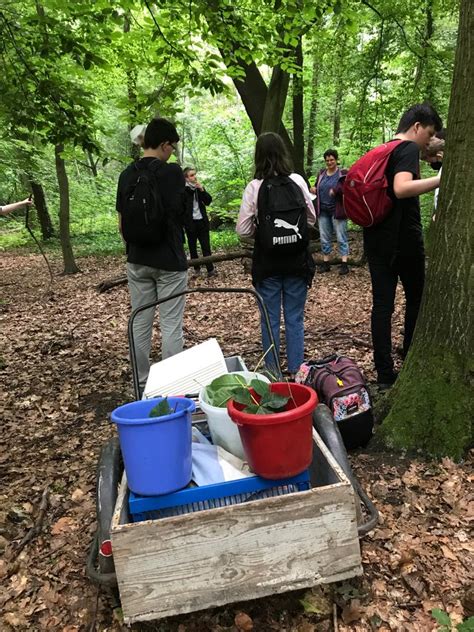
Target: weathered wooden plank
{"x": 186, "y": 563}
{"x": 232, "y": 554}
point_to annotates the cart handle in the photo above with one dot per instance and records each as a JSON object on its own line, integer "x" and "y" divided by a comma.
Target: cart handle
{"x": 204, "y": 290}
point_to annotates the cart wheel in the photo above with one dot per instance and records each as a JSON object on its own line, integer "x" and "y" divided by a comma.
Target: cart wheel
{"x": 326, "y": 427}
{"x": 109, "y": 472}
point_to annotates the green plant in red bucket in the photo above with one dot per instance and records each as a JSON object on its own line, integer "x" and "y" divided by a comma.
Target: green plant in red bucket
{"x": 259, "y": 399}
{"x": 277, "y": 439}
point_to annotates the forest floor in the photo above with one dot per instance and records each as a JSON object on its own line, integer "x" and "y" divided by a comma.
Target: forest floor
{"x": 64, "y": 367}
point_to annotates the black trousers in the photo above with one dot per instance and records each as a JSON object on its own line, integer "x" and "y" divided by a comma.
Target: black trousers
{"x": 199, "y": 232}
{"x": 384, "y": 276}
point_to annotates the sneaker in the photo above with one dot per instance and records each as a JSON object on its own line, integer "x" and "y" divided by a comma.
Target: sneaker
{"x": 212, "y": 273}
{"x": 324, "y": 267}
{"x": 344, "y": 269}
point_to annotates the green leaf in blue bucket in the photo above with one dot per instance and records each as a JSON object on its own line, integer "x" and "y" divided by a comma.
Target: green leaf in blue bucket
{"x": 161, "y": 409}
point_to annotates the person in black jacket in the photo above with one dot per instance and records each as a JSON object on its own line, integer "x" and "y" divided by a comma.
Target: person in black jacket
{"x": 197, "y": 222}
{"x": 155, "y": 272}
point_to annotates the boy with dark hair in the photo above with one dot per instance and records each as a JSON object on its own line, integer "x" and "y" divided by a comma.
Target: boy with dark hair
{"x": 155, "y": 272}
{"x": 197, "y": 222}
{"x": 395, "y": 247}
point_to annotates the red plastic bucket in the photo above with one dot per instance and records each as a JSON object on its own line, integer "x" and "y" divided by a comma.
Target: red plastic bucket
{"x": 279, "y": 445}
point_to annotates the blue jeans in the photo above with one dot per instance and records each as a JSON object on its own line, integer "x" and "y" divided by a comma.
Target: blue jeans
{"x": 290, "y": 291}
{"x": 328, "y": 225}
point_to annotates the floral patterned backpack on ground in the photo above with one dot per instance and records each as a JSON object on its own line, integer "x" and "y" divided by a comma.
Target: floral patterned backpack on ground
{"x": 340, "y": 385}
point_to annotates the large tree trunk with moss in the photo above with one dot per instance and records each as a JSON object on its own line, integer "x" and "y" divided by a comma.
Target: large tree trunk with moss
{"x": 70, "y": 266}
{"x": 429, "y": 407}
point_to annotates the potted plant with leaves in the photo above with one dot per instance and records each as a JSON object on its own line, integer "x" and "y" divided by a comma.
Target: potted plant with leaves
{"x": 155, "y": 439}
{"x": 213, "y": 400}
{"x": 275, "y": 426}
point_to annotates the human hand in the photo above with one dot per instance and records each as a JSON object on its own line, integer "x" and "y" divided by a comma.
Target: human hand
{"x": 199, "y": 185}
{"x": 312, "y": 190}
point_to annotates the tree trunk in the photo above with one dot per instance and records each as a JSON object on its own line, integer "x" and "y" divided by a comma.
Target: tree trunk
{"x": 92, "y": 163}
{"x": 313, "y": 112}
{"x": 70, "y": 266}
{"x": 298, "y": 116}
{"x": 426, "y": 88}
{"x": 430, "y": 405}
{"x": 132, "y": 75}
{"x": 47, "y": 230}
{"x": 262, "y": 104}
{"x": 336, "y": 133}
{"x": 275, "y": 100}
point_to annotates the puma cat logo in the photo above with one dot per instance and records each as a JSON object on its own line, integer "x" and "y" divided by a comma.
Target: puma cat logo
{"x": 287, "y": 239}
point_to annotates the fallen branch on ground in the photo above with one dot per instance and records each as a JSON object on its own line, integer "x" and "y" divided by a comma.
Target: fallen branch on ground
{"x": 245, "y": 253}
{"x": 36, "y": 528}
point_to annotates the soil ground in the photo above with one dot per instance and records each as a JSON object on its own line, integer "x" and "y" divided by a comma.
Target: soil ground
{"x": 64, "y": 366}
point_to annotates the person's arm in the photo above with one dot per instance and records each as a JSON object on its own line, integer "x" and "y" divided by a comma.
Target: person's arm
{"x": 9, "y": 208}
{"x": 206, "y": 197}
{"x": 246, "y": 220}
{"x": 404, "y": 186}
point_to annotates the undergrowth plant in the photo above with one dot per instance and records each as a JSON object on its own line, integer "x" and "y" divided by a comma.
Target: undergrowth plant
{"x": 446, "y": 625}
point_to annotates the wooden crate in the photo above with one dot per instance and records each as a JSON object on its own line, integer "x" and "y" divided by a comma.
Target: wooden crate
{"x": 219, "y": 556}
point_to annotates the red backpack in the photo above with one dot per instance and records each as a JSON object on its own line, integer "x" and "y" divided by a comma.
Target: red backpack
{"x": 366, "y": 201}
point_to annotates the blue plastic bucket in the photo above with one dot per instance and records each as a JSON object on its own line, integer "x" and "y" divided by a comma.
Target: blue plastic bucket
{"x": 156, "y": 450}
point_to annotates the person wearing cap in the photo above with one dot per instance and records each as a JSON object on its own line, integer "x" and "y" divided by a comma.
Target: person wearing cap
{"x": 155, "y": 272}
{"x": 137, "y": 135}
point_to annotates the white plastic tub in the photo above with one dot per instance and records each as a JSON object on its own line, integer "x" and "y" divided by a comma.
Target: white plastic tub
{"x": 223, "y": 430}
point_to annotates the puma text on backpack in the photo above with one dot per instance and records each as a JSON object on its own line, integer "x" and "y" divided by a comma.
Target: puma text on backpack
{"x": 282, "y": 227}
{"x": 340, "y": 385}
{"x": 366, "y": 201}
{"x": 143, "y": 215}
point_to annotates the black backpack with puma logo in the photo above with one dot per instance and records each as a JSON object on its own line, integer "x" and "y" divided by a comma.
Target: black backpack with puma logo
{"x": 282, "y": 227}
{"x": 282, "y": 232}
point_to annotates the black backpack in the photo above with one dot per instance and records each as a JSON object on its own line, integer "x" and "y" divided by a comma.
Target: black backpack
{"x": 144, "y": 219}
{"x": 282, "y": 226}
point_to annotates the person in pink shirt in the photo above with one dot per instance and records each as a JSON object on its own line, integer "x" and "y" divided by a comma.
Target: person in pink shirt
{"x": 280, "y": 277}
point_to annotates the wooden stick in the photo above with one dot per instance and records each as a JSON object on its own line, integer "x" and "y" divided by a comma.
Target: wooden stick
{"x": 36, "y": 528}
{"x": 334, "y": 618}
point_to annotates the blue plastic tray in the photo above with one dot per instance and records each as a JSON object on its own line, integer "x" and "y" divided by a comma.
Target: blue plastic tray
{"x": 192, "y": 499}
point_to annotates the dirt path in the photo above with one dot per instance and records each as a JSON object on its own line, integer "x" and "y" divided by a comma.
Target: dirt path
{"x": 64, "y": 367}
